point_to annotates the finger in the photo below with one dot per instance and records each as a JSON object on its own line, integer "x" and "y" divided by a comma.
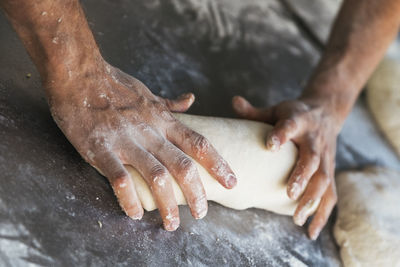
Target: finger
{"x": 321, "y": 217}
{"x": 157, "y": 177}
{"x": 121, "y": 183}
{"x": 315, "y": 190}
{"x": 284, "y": 131}
{"x": 181, "y": 104}
{"x": 200, "y": 149}
{"x": 306, "y": 166}
{"x": 186, "y": 174}
{"x": 246, "y": 110}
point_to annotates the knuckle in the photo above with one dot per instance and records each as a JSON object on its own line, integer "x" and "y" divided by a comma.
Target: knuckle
{"x": 185, "y": 163}
{"x": 186, "y": 166}
{"x": 200, "y": 144}
{"x": 334, "y": 198}
{"x": 167, "y": 116}
{"x": 321, "y": 221}
{"x": 121, "y": 181}
{"x": 324, "y": 177}
{"x": 199, "y": 198}
{"x": 158, "y": 175}
{"x": 98, "y": 141}
{"x": 157, "y": 104}
{"x": 290, "y": 124}
{"x": 314, "y": 157}
{"x": 141, "y": 100}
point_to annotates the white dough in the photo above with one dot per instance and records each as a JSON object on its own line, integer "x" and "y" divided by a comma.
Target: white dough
{"x": 368, "y": 221}
{"x": 262, "y": 175}
{"x": 383, "y": 96}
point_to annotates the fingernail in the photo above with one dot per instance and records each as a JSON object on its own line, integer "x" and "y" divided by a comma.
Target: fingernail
{"x": 273, "y": 143}
{"x": 231, "y": 181}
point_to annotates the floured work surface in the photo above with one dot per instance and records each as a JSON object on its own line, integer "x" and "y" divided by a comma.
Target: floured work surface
{"x": 56, "y": 210}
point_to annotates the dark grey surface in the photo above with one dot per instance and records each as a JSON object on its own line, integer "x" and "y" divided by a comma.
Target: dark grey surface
{"x": 51, "y": 201}
{"x": 318, "y": 16}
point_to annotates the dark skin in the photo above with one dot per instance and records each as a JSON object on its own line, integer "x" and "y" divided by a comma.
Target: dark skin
{"x": 93, "y": 103}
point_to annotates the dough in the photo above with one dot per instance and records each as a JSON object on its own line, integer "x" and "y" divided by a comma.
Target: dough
{"x": 368, "y": 221}
{"x": 383, "y": 97}
{"x": 262, "y": 175}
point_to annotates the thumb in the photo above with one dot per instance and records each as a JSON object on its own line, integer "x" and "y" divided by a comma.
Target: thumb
{"x": 181, "y": 104}
{"x": 244, "y": 109}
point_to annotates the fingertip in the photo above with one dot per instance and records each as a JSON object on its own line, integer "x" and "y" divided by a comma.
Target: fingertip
{"x": 240, "y": 105}
{"x": 132, "y": 210}
{"x": 237, "y": 98}
{"x": 313, "y": 233}
{"x": 231, "y": 182}
{"x": 171, "y": 224}
{"x": 184, "y": 104}
{"x": 293, "y": 190}
{"x": 273, "y": 143}
{"x": 188, "y": 98}
{"x": 199, "y": 207}
{"x": 181, "y": 104}
{"x": 201, "y": 214}
{"x": 135, "y": 213}
{"x": 304, "y": 210}
{"x": 124, "y": 190}
{"x": 298, "y": 220}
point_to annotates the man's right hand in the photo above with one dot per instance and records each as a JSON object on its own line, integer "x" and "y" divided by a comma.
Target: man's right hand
{"x": 113, "y": 119}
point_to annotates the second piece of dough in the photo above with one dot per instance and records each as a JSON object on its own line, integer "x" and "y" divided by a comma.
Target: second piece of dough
{"x": 262, "y": 175}
{"x": 383, "y": 97}
{"x": 367, "y": 225}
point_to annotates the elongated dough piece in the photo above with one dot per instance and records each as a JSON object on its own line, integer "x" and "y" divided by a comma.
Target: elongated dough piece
{"x": 262, "y": 175}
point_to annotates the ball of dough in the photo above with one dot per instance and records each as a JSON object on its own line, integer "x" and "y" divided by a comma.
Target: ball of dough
{"x": 383, "y": 97}
{"x": 367, "y": 226}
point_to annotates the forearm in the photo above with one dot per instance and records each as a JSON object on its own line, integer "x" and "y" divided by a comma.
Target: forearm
{"x": 55, "y": 34}
{"x": 360, "y": 36}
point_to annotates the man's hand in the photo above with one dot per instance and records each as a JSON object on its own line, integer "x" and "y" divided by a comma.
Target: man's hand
{"x": 313, "y": 128}
{"x": 113, "y": 119}
{"x": 314, "y": 120}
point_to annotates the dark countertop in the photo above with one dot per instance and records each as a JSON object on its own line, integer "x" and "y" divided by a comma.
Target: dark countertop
{"x": 57, "y": 210}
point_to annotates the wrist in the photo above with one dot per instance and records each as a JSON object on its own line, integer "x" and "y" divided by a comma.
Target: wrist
{"x": 56, "y": 36}
{"x": 76, "y": 81}
{"x": 333, "y": 106}
{"x": 333, "y": 87}
{"x": 66, "y": 52}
